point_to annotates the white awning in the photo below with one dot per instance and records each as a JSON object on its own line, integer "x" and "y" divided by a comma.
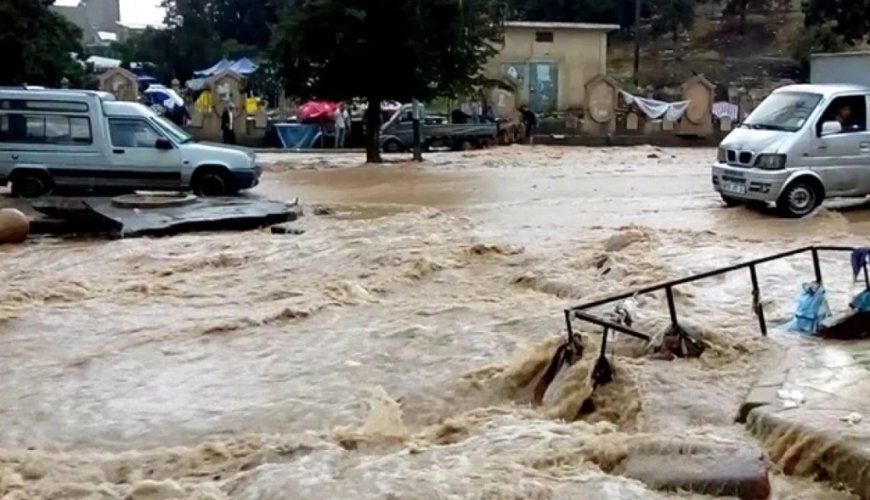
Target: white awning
{"x": 102, "y": 63}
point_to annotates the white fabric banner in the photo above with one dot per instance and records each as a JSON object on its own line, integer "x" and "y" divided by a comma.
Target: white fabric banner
{"x": 670, "y": 111}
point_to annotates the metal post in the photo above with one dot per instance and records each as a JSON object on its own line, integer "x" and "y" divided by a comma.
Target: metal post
{"x": 418, "y": 133}
{"x": 637, "y": 12}
{"x": 672, "y": 307}
{"x": 756, "y": 301}
{"x": 866, "y": 276}
{"x": 604, "y": 342}
{"x": 570, "y": 328}
{"x": 817, "y": 266}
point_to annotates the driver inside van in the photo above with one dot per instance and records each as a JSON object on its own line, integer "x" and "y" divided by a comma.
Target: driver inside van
{"x": 847, "y": 120}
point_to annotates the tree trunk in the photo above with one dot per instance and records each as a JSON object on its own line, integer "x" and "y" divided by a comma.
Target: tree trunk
{"x": 744, "y": 6}
{"x": 373, "y": 131}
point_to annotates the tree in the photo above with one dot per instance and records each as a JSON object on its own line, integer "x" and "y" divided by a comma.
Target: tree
{"x": 849, "y": 19}
{"x": 587, "y": 11}
{"x": 37, "y": 44}
{"x": 742, "y": 8}
{"x": 673, "y": 16}
{"x": 385, "y": 50}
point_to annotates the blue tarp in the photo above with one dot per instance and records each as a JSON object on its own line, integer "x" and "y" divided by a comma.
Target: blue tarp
{"x": 812, "y": 309}
{"x": 297, "y": 135}
{"x": 243, "y": 66}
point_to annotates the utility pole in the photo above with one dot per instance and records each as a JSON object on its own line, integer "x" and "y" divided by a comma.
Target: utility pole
{"x": 418, "y": 132}
{"x": 637, "y": 43}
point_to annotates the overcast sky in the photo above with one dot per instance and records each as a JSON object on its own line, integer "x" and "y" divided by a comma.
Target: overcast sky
{"x": 133, "y": 12}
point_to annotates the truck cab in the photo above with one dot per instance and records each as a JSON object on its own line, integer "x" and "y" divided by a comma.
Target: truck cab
{"x": 55, "y": 139}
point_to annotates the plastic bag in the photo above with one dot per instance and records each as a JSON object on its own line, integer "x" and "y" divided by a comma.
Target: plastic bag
{"x": 812, "y": 309}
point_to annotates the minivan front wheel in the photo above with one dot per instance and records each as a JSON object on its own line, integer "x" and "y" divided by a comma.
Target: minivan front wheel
{"x": 799, "y": 199}
{"x": 30, "y": 184}
{"x": 213, "y": 182}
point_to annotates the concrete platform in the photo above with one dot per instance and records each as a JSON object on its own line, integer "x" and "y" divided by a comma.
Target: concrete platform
{"x": 99, "y": 215}
{"x": 812, "y": 412}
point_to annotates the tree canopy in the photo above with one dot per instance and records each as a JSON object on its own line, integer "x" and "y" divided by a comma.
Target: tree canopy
{"x": 385, "y": 50}
{"x": 37, "y": 44}
{"x": 850, "y": 19}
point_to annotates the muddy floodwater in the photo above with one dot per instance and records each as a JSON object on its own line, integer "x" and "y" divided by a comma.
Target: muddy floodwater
{"x": 385, "y": 352}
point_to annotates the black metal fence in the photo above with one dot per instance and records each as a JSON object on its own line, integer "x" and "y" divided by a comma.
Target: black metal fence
{"x": 581, "y": 312}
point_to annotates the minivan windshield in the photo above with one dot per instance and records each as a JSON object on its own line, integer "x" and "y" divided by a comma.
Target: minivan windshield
{"x": 177, "y": 133}
{"x": 786, "y": 111}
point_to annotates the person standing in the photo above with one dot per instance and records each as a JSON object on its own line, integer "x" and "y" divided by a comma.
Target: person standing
{"x": 227, "y": 120}
{"x": 340, "y": 129}
{"x": 348, "y": 124}
{"x": 530, "y": 122}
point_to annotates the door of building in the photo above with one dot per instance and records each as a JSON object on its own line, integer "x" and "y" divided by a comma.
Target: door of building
{"x": 544, "y": 87}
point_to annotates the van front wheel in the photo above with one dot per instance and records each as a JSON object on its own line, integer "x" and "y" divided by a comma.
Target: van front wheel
{"x": 213, "y": 182}
{"x": 30, "y": 184}
{"x": 799, "y": 199}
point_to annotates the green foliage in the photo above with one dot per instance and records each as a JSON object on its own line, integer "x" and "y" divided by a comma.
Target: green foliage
{"x": 814, "y": 40}
{"x": 849, "y": 19}
{"x": 589, "y": 11}
{"x": 385, "y": 49}
{"x": 673, "y": 16}
{"x": 37, "y": 44}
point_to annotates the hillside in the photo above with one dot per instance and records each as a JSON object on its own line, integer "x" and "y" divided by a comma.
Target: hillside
{"x": 715, "y": 47}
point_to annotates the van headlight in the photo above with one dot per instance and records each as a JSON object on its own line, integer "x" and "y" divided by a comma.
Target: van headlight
{"x": 721, "y": 155}
{"x": 770, "y": 162}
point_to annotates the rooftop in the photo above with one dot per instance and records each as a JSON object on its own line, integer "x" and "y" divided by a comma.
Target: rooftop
{"x": 824, "y": 89}
{"x": 561, "y": 26}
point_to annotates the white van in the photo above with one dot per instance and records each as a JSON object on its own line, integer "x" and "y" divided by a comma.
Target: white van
{"x": 803, "y": 144}
{"x": 78, "y": 139}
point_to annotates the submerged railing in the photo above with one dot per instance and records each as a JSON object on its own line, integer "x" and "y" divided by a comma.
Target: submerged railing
{"x": 581, "y": 312}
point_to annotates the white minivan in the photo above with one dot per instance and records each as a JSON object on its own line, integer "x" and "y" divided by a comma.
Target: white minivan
{"x": 79, "y": 139}
{"x": 803, "y": 144}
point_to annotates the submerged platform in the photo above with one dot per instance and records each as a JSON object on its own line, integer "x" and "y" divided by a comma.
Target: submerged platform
{"x": 105, "y": 216}
{"x": 812, "y": 412}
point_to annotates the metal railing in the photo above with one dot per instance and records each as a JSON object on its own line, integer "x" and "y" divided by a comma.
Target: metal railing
{"x": 581, "y": 312}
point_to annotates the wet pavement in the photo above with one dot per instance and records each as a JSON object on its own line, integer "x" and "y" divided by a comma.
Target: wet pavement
{"x": 385, "y": 351}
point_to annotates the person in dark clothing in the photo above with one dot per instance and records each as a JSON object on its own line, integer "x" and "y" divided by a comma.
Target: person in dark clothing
{"x": 530, "y": 122}
{"x": 227, "y": 120}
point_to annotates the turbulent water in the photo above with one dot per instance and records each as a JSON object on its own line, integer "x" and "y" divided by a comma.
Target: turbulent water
{"x": 389, "y": 351}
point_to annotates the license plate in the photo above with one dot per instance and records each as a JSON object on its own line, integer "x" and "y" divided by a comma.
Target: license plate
{"x": 732, "y": 187}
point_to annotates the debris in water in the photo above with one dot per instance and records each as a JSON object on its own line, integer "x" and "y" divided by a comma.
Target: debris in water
{"x": 385, "y": 417}
{"x": 852, "y": 418}
{"x": 14, "y": 226}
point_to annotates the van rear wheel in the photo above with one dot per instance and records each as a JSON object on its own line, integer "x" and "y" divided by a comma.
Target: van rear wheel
{"x": 30, "y": 184}
{"x": 799, "y": 199}
{"x": 213, "y": 182}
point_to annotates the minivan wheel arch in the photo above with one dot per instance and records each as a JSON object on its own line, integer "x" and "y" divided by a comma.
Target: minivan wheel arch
{"x": 22, "y": 186}
{"x": 786, "y": 205}
{"x": 213, "y": 180}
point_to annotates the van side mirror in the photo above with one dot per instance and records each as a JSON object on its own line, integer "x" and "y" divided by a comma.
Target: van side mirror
{"x": 163, "y": 144}
{"x": 831, "y": 128}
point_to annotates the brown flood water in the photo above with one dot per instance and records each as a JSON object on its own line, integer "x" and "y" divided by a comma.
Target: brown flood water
{"x": 381, "y": 353}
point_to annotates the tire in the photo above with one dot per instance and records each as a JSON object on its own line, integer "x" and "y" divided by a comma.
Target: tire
{"x": 799, "y": 199}
{"x": 731, "y": 202}
{"x": 392, "y": 146}
{"x": 213, "y": 182}
{"x": 31, "y": 184}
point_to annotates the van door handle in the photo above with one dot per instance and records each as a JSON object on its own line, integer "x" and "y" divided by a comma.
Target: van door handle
{"x": 823, "y": 146}
{"x": 118, "y": 151}
{"x": 15, "y": 157}
{"x": 865, "y": 146}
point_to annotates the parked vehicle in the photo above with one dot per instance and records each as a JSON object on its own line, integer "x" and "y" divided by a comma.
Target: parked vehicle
{"x": 803, "y": 144}
{"x": 52, "y": 139}
{"x": 397, "y": 134}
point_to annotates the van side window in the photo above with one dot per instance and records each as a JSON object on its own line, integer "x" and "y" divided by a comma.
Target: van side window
{"x": 850, "y": 111}
{"x": 132, "y": 134}
{"x": 45, "y": 129}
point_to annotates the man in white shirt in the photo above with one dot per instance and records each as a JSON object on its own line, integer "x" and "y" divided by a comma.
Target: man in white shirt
{"x": 340, "y": 126}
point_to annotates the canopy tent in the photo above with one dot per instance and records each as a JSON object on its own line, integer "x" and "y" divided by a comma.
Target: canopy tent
{"x": 103, "y": 63}
{"x": 243, "y": 66}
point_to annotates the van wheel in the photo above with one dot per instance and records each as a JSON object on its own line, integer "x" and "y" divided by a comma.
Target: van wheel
{"x": 213, "y": 182}
{"x": 31, "y": 184}
{"x": 392, "y": 146}
{"x": 799, "y": 199}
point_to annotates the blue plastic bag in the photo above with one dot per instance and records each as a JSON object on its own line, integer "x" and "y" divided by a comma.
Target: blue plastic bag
{"x": 812, "y": 309}
{"x": 861, "y": 302}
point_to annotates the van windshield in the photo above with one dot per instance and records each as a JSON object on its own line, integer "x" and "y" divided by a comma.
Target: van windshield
{"x": 177, "y": 133}
{"x": 786, "y": 111}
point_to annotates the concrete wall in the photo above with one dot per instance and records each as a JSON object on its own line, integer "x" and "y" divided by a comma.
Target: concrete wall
{"x": 580, "y": 55}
